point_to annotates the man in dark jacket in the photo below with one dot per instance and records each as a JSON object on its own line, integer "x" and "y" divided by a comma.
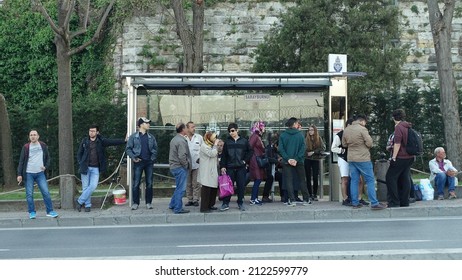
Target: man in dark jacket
{"x": 92, "y": 162}
{"x": 399, "y": 172}
{"x": 234, "y": 160}
{"x": 33, "y": 161}
{"x": 292, "y": 150}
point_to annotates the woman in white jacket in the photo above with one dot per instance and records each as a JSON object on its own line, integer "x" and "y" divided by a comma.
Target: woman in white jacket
{"x": 208, "y": 172}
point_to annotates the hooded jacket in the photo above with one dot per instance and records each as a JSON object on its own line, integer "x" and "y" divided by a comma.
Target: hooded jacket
{"x": 292, "y": 145}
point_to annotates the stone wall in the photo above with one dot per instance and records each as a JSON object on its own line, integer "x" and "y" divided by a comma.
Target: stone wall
{"x": 234, "y": 30}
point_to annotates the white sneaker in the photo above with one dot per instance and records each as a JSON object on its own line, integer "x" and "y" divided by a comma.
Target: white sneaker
{"x": 134, "y": 206}
{"x": 149, "y": 206}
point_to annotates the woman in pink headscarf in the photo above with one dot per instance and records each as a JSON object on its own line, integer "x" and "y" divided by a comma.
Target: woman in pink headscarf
{"x": 257, "y": 174}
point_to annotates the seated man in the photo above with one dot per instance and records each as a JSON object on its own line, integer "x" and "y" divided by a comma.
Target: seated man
{"x": 442, "y": 174}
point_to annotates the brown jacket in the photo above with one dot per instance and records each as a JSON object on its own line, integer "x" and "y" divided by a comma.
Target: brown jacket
{"x": 356, "y": 137}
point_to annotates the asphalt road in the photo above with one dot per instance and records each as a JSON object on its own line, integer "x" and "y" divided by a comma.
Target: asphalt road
{"x": 428, "y": 238}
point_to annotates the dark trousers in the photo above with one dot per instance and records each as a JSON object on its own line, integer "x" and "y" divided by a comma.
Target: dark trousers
{"x": 398, "y": 183}
{"x": 208, "y": 197}
{"x": 312, "y": 173}
{"x": 238, "y": 176}
{"x": 145, "y": 166}
{"x": 289, "y": 180}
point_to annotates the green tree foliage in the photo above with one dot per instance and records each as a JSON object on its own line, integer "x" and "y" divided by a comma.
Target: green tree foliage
{"x": 28, "y": 70}
{"x": 364, "y": 30}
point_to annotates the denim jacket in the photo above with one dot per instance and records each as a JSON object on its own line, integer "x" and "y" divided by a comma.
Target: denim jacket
{"x": 133, "y": 148}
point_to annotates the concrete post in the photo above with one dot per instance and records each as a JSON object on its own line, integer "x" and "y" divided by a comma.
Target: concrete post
{"x": 67, "y": 191}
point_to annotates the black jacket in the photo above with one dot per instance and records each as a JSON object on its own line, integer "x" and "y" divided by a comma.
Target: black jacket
{"x": 236, "y": 153}
{"x": 83, "y": 155}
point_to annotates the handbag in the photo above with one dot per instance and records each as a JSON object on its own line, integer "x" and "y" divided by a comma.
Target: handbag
{"x": 225, "y": 186}
{"x": 262, "y": 161}
{"x": 417, "y": 193}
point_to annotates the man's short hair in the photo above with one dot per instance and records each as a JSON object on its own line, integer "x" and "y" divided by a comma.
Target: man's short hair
{"x": 94, "y": 126}
{"x": 361, "y": 117}
{"x": 188, "y": 124}
{"x": 290, "y": 122}
{"x": 232, "y": 125}
{"x": 179, "y": 127}
{"x": 399, "y": 115}
{"x": 348, "y": 122}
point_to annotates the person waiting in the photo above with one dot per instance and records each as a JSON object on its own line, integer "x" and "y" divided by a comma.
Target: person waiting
{"x": 442, "y": 174}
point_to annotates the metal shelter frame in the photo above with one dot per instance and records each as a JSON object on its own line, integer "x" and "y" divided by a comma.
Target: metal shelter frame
{"x": 221, "y": 81}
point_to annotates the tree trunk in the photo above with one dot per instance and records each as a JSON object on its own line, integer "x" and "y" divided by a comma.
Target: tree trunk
{"x": 449, "y": 100}
{"x": 6, "y": 148}
{"x": 65, "y": 124}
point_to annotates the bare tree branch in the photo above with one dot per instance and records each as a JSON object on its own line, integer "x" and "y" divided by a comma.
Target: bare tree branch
{"x": 97, "y": 32}
{"x": 69, "y": 9}
{"x": 39, "y": 6}
{"x": 84, "y": 23}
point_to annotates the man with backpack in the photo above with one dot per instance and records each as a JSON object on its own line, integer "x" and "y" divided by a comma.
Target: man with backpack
{"x": 399, "y": 172}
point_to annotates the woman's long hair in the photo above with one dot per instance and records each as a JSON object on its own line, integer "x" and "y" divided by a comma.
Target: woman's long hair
{"x": 313, "y": 142}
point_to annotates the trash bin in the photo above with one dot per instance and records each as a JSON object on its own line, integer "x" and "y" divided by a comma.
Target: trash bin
{"x": 380, "y": 172}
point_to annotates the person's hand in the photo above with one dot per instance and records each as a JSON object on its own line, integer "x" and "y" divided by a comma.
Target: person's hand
{"x": 310, "y": 153}
{"x": 19, "y": 179}
{"x": 292, "y": 162}
{"x": 42, "y": 168}
{"x": 452, "y": 172}
{"x": 223, "y": 171}
{"x": 136, "y": 160}
{"x": 216, "y": 142}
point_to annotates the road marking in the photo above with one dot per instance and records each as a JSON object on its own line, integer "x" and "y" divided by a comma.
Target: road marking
{"x": 4, "y": 250}
{"x": 302, "y": 243}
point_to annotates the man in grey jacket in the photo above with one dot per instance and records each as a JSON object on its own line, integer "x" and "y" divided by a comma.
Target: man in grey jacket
{"x": 358, "y": 141}
{"x": 142, "y": 149}
{"x": 179, "y": 159}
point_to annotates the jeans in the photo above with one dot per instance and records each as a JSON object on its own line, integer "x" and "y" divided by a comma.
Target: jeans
{"x": 238, "y": 176}
{"x": 365, "y": 169}
{"x": 255, "y": 187}
{"x": 41, "y": 180}
{"x": 181, "y": 175}
{"x": 89, "y": 184}
{"x": 138, "y": 168}
{"x": 441, "y": 179}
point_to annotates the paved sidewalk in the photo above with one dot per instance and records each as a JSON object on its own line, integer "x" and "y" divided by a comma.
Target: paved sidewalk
{"x": 276, "y": 211}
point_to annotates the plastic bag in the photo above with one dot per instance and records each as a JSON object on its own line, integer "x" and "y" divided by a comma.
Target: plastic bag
{"x": 225, "y": 186}
{"x": 427, "y": 190}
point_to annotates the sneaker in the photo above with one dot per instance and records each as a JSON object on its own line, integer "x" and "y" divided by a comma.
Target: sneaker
{"x": 357, "y": 206}
{"x": 440, "y": 197}
{"x": 379, "y": 206}
{"x": 297, "y": 199}
{"x": 363, "y": 202}
{"x": 52, "y": 214}
{"x": 78, "y": 206}
{"x": 346, "y": 202}
{"x": 290, "y": 203}
{"x": 241, "y": 207}
{"x": 87, "y": 209}
{"x": 149, "y": 206}
{"x": 307, "y": 202}
{"x": 314, "y": 198}
{"x": 224, "y": 207}
{"x": 182, "y": 211}
{"x": 190, "y": 203}
{"x": 196, "y": 203}
{"x": 266, "y": 199}
{"x": 32, "y": 215}
{"x": 255, "y": 202}
{"x": 134, "y": 206}
{"x": 452, "y": 195}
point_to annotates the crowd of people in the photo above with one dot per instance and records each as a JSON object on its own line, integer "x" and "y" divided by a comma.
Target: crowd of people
{"x": 291, "y": 158}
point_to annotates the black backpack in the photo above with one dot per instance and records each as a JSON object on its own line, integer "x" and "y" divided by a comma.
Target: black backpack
{"x": 414, "y": 145}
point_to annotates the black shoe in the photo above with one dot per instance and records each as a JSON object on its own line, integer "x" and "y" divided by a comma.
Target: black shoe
{"x": 87, "y": 209}
{"x": 412, "y": 200}
{"x": 213, "y": 208}
{"x": 182, "y": 211}
{"x": 357, "y": 206}
{"x": 190, "y": 203}
{"x": 78, "y": 206}
{"x": 314, "y": 198}
{"x": 206, "y": 211}
{"x": 346, "y": 202}
{"x": 363, "y": 202}
{"x": 297, "y": 199}
{"x": 196, "y": 203}
{"x": 266, "y": 199}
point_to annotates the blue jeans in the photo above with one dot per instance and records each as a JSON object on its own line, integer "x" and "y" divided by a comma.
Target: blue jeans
{"x": 365, "y": 169}
{"x": 181, "y": 176}
{"x": 138, "y": 168}
{"x": 41, "y": 180}
{"x": 441, "y": 180}
{"x": 89, "y": 184}
{"x": 255, "y": 187}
